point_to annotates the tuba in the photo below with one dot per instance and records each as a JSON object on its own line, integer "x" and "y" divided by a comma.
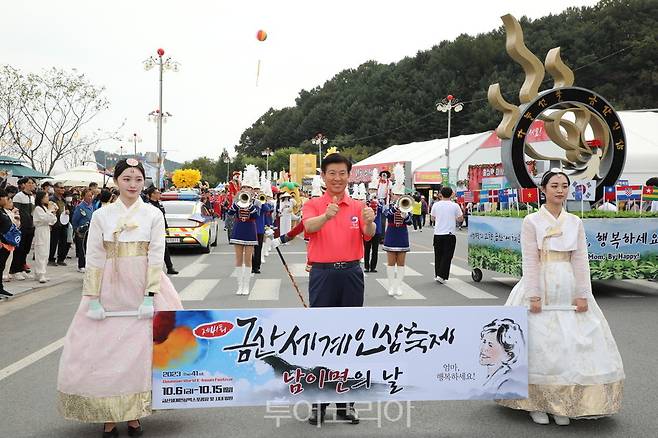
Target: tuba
{"x": 244, "y": 199}
{"x": 405, "y": 204}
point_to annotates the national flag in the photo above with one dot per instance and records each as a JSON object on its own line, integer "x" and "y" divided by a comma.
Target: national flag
{"x": 582, "y": 190}
{"x": 471, "y": 196}
{"x": 650, "y": 193}
{"x": 460, "y": 196}
{"x": 609, "y": 194}
{"x": 506, "y": 195}
{"x": 529, "y": 195}
{"x": 488, "y": 196}
{"x": 629, "y": 193}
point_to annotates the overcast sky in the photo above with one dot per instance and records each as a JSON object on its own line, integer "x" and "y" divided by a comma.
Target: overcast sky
{"x": 214, "y": 97}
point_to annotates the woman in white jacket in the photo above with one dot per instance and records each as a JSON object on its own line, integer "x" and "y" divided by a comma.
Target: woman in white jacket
{"x": 44, "y": 217}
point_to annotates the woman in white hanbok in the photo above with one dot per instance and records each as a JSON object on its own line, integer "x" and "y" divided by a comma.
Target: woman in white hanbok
{"x": 575, "y": 369}
{"x": 44, "y": 217}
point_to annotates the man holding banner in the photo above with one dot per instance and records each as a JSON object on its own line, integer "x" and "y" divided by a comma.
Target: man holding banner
{"x": 336, "y": 226}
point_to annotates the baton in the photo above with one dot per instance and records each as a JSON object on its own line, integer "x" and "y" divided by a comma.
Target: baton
{"x": 294, "y": 283}
{"x": 558, "y": 308}
{"x": 122, "y": 313}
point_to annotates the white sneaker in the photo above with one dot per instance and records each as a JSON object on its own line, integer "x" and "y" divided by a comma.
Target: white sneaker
{"x": 561, "y": 420}
{"x": 391, "y": 291}
{"x": 7, "y": 278}
{"x": 20, "y": 276}
{"x": 42, "y": 279}
{"x": 83, "y": 270}
{"x": 439, "y": 280}
{"x": 539, "y": 417}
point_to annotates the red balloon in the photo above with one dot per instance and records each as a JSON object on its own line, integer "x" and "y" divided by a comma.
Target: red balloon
{"x": 261, "y": 35}
{"x": 160, "y": 52}
{"x": 450, "y": 97}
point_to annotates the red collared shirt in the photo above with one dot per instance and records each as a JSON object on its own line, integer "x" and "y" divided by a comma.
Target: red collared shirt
{"x": 341, "y": 238}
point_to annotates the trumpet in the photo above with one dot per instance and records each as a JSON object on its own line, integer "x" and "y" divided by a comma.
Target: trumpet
{"x": 262, "y": 198}
{"x": 244, "y": 199}
{"x": 405, "y": 204}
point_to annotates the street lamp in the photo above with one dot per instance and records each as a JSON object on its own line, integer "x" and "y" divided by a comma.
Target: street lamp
{"x": 135, "y": 139}
{"x": 267, "y": 153}
{"x": 162, "y": 64}
{"x": 227, "y": 161}
{"x": 319, "y": 140}
{"x": 448, "y": 104}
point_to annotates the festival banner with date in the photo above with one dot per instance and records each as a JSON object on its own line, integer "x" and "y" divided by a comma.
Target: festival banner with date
{"x": 239, "y": 357}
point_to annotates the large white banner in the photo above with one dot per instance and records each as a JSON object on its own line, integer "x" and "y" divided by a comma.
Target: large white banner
{"x": 213, "y": 358}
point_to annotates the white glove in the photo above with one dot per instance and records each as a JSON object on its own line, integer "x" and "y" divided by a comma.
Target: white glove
{"x": 404, "y": 214}
{"x": 95, "y": 310}
{"x": 275, "y": 243}
{"x": 145, "y": 310}
{"x": 269, "y": 232}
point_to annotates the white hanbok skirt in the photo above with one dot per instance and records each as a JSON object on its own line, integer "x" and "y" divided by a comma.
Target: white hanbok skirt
{"x": 575, "y": 369}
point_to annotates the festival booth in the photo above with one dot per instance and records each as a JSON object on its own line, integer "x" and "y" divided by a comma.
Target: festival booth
{"x": 578, "y": 131}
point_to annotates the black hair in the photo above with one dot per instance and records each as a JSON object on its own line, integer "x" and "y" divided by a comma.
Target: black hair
{"x": 653, "y": 181}
{"x": 93, "y": 184}
{"x": 335, "y": 159}
{"x": 550, "y": 174}
{"x": 11, "y": 190}
{"x": 150, "y": 191}
{"x": 46, "y": 184}
{"x": 105, "y": 195}
{"x": 3, "y": 193}
{"x": 122, "y": 165}
{"x": 38, "y": 196}
{"x": 446, "y": 192}
{"x": 23, "y": 180}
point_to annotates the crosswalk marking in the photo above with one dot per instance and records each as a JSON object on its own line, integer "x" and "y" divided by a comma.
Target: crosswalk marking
{"x": 192, "y": 270}
{"x": 457, "y": 270}
{"x": 467, "y": 290}
{"x": 298, "y": 269}
{"x": 198, "y": 290}
{"x": 266, "y": 289}
{"x": 509, "y": 281}
{"x": 408, "y": 293}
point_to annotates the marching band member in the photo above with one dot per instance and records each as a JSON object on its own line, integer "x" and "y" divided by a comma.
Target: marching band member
{"x": 396, "y": 238}
{"x": 245, "y": 237}
{"x": 105, "y": 367}
{"x": 575, "y": 369}
{"x": 371, "y": 247}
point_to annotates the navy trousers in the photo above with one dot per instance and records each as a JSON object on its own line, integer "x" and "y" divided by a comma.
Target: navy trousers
{"x": 336, "y": 288}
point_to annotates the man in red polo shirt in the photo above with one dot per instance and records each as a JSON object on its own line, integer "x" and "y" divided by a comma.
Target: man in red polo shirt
{"x": 336, "y": 226}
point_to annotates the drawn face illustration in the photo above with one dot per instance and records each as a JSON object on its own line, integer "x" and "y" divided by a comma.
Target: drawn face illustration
{"x": 491, "y": 352}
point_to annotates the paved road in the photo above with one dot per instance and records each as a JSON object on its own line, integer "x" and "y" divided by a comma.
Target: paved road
{"x": 33, "y": 325}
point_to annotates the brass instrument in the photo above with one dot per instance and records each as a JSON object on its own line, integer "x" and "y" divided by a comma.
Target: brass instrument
{"x": 405, "y": 204}
{"x": 262, "y": 198}
{"x": 244, "y": 199}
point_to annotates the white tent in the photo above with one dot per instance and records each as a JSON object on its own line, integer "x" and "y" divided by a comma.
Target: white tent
{"x": 82, "y": 176}
{"x": 484, "y": 147}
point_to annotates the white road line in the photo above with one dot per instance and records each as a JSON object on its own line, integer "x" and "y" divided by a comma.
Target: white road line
{"x": 198, "y": 290}
{"x": 298, "y": 269}
{"x": 192, "y": 270}
{"x": 467, "y": 290}
{"x": 266, "y": 289}
{"x": 408, "y": 293}
{"x": 509, "y": 281}
{"x": 457, "y": 270}
{"x": 409, "y": 272}
{"x": 29, "y": 360}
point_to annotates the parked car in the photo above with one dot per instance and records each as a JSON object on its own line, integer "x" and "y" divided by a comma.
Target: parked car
{"x": 190, "y": 225}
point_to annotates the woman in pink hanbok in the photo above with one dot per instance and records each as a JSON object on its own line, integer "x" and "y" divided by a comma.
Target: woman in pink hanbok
{"x": 105, "y": 368}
